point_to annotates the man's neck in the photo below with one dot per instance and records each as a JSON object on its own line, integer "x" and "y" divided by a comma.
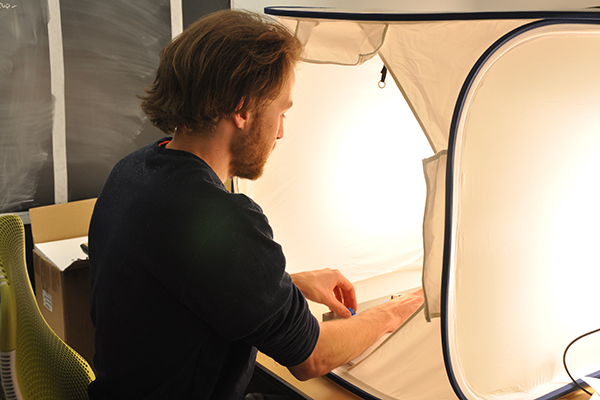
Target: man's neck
{"x": 213, "y": 148}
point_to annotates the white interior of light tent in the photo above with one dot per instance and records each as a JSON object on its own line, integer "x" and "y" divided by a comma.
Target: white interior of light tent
{"x": 344, "y": 188}
{"x": 527, "y": 216}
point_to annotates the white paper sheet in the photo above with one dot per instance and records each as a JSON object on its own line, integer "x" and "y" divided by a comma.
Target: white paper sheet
{"x": 63, "y": 252}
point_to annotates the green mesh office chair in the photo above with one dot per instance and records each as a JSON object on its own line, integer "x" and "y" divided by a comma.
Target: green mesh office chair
{"x": 34, "y": 362}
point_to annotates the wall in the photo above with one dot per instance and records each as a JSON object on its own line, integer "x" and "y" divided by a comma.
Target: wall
{"x": 194, "y": 9}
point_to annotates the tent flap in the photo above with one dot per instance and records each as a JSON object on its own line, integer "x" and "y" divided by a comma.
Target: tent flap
{"x": 433, "y": 228}
{"x": 337, "y": 42}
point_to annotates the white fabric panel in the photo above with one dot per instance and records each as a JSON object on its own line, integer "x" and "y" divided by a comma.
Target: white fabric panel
{"x": 409, "y": 365}
{"x": 524, "y": 267}
{"x": 433, "y": 232}
{"x": 524, "y": 279}
{"x": 431, "y": 60}
{"x": 344, "y": 188}
{"x": 337, "y": 42}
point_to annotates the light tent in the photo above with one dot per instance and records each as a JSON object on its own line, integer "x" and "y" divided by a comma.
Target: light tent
{"x": 477, "y": 182}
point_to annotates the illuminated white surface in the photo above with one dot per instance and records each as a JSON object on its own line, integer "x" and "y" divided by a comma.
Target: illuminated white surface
{"x": 345, "y": 187}
{"x": 63, "y": 252}
{"x": 525, "y": 267}
{"x": 512, "y": 314}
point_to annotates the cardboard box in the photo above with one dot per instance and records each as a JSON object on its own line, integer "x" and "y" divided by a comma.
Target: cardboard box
{"x": 62, "y": 271}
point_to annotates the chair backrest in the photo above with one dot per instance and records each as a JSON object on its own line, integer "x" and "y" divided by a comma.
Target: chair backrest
{"x": 35, "y": 363}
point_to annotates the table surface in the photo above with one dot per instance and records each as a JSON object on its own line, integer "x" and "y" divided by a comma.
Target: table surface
{"x": 578, "y": 395}
{"x": 325, "y": 389}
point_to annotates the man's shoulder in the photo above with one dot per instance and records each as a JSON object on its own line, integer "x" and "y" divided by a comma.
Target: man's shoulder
{"x": 238, "y": 210}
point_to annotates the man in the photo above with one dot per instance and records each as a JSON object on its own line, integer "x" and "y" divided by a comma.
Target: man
{"x": 186, "y": 280}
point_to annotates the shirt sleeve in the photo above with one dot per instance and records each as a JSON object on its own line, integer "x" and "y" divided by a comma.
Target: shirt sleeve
{"x": 291, "y": 335}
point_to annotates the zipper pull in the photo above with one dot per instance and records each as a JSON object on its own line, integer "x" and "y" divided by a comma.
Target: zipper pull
{"x": 381, "y": 83}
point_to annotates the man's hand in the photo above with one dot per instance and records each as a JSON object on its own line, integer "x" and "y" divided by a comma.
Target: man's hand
{"x": 342, "y": 340}
{"x": 401, "y": 308}
{"x": 329, "y": 287}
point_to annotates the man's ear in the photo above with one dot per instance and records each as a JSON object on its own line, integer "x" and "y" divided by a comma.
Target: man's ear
{"x": 240, "y": 116}
{"x": 240, "y": 119}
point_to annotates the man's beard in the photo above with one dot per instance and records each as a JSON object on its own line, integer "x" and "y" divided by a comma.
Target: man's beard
{"x": 250, "y": 153}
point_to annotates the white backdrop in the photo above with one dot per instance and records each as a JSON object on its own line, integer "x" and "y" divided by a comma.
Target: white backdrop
{"x": 345, "y": 188}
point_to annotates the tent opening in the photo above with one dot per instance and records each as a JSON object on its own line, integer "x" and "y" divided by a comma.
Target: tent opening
{"x": 345, "y": 188}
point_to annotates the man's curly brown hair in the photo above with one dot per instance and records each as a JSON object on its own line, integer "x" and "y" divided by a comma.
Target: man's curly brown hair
{"x": 223, "y": 61}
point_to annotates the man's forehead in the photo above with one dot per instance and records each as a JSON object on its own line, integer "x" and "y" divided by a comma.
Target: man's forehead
{"x": 290, "y": 88}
